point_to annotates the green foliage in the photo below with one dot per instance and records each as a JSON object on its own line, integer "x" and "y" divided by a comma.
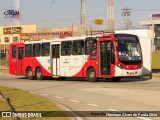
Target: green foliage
{"x": 24, "y": 101}
{"x": 156, "y": 61}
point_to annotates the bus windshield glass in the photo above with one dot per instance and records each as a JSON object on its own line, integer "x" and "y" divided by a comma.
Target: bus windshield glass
{"x": 129, "y": 49}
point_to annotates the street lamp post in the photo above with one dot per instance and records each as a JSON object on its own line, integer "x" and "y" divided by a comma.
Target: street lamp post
{"x": 91, "y": 27}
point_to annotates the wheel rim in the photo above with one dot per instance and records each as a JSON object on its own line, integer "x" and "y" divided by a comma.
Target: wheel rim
{"x": 29, "y": 73}
{"x": 39, "y": 73}
{"x": 91, "y": 75}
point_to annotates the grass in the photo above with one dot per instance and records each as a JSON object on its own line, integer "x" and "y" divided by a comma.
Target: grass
{"x": 156, "y": 61}
{"x": 156, "y": 64}
{"x": 24, "y": 101}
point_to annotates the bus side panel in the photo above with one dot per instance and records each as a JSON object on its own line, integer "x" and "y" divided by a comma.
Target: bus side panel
{"x": 88, "y": 63}
{"x": 35, "y": 62}
{"x": 113, "y": 70}
{"x": 44, "y": 63}
{"x": 76, "y": 65}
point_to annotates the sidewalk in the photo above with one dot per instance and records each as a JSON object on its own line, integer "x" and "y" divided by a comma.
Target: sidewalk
{"x": 3, "y": 67}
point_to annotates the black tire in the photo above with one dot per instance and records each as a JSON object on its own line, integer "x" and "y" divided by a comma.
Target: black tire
{"x": 116, "y": 79}
{"x": 39, "y": 74}
{"x": 91, "y": 75}
{"x": 150, "y": 76}
{"x": 29, "y": 74}
{"x": 48, "y": 78}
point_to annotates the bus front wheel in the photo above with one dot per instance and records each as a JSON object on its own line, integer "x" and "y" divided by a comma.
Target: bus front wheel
{"x": 91, "y": 75}
{"x": 39, "y": 74}
{"x": 29, "y": 74}
{"x": 116, "y": 79}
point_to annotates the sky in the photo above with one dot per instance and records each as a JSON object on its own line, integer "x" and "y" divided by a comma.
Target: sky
{"x": 61, "y": 13}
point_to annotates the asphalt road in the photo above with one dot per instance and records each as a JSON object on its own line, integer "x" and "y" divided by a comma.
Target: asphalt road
{"x": 134, "y": 94}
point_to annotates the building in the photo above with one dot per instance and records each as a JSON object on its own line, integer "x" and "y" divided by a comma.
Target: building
{"x": 153, "y": 23}
{"x": 9, "y": 34}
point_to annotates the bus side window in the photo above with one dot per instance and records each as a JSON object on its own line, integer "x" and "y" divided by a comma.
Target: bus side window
{"x": 20, "y": 53}
{"x": 36, "y": 50}
{"x": 45, "y": 49}
{"x": 90, "y": 46}
{"x": 78, "y": 47}
{"x": 55, "y": 51}
{"x": 28, "y": 50}
{"x": 66, "y": 47}
{"x": 13, "y": 51}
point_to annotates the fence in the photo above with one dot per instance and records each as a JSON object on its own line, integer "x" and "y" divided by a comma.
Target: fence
{"x": 3, "y": 60}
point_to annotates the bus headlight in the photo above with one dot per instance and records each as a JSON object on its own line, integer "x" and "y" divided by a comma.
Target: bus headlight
{"x": 120, "y": 66}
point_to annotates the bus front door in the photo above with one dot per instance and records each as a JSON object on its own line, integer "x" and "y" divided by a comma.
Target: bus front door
{"x": 20, "y": 61}
{"x": 55, "y": 64}
{"x": 105, "y": 57}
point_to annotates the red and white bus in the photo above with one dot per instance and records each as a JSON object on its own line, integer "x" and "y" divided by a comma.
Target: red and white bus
{"x": 108, "y": 56}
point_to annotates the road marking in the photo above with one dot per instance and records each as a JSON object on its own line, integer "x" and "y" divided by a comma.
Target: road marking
{"x": 58, "y": 97}
{"x": 74, "y": 101}
{"x": 93, "y": 105}
{"x": 143, "y": 118}
{"x": 44, "y": 94}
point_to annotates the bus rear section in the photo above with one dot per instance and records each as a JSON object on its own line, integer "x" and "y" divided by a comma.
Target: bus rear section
{"x": 16, "y": 59}
{"x": 31, "y": 59}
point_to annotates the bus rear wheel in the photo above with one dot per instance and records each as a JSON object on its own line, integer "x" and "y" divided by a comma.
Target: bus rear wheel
{"x": 91, "y": 75}
{"x": 39, "y": 74}
{"x": 29, "y": 74}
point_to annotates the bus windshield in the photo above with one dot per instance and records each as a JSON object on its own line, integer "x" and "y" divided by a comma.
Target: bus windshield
{"x": 129, "y": 50}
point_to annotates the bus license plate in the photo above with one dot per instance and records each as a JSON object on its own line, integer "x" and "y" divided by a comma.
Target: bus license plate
{"x": 131, "y": 73}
